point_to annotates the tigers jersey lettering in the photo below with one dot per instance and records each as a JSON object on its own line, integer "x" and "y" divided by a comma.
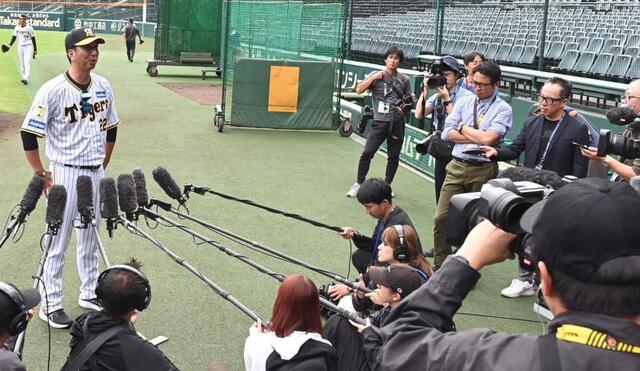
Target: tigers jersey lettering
{"x": 23, "y": 35}
{"x": 75, "y": 124}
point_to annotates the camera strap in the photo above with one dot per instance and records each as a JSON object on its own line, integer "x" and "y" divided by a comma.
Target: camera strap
{"x": 393, "y": 86}
{"x": 549, "y": 143}
{"x": 549, "y": 355}
{"x": 475, "y": 111}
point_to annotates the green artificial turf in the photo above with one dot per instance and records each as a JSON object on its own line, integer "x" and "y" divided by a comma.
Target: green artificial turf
{"x": 303, "y": 172}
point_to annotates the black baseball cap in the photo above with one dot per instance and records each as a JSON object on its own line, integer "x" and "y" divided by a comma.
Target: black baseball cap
{"x": 80, "y": 37}
{"x": 401, "y": 278}
{"x": 8, "y": 307}
{"x": 451, "y": 63}
{"x": 588, "y": 229}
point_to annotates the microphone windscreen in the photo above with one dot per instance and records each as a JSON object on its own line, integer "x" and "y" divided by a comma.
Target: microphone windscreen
{"x": 621, "y": 115}
{"x": 635, "y": 183}
{"x": 56, "y": 201}
{"x": 84, "y": 188}
{"x": 108, "y": 198}
{"x": 141, "y": 187}
{"x": 542, "y": 177}
{"x": 32, "y": 194}
{"x": 127, "y": 193}
{"x": 166, "y": 182}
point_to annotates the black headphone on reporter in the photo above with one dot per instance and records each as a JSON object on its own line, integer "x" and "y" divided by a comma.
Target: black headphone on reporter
{"x": 400, "y": 253}
{"x": 18, "y": 323}
{"x": 141, "y": 303}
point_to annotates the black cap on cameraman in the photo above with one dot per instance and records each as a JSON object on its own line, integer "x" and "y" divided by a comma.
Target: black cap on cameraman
{"x": 588, "y": 229}
{"x": 80, "y": 37}
{"x": 400, "y": 278}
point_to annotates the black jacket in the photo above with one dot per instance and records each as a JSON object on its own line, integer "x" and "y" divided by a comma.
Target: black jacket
{"x": 416, "y": 335}
{"x": 312, "y": 356}
{"x": 563, "y": 157}
{"x": 124, "y": 351}
{"x": 397, "y": 216}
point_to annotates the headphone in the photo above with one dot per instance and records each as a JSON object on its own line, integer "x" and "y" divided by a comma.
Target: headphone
{"x": 18, "y": 323}
{"x": 139, "y": 304}
{"x": 400, "y": 253}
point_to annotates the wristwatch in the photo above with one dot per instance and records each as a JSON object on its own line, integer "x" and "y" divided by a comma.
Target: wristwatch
{"x": 446, "y": 102}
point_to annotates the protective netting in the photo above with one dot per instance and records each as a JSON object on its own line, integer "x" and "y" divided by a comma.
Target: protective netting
{"x": 188, "y": 26}
{"x": 307, "y": 30}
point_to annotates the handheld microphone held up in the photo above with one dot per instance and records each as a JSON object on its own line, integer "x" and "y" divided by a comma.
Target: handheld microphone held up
{"x": 84, "y": 188}
{"x": 109, "y": 203}
{"x": 127, "y": 196}
{"x": 56, "y": 202}
{"x": 169, "y": 185}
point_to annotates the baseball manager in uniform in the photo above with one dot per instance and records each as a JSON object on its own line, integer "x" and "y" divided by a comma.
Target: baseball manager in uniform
{"x": 76, "y": 112}
{"x": 27, "y": 49}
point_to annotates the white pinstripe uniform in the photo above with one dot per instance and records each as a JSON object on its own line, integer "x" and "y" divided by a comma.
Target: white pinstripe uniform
{"x": 25, "y": 48}
{"x": 74, "y": 139}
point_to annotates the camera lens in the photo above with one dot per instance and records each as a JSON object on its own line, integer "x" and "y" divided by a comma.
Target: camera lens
{"x": 505, "y": 208}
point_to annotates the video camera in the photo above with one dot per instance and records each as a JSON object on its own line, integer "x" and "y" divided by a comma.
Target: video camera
{"x": 367, "y": 114}
{"x": 501, "y": 201}
{"x": 616, "y": 144}
{"x": 436, "y": 79}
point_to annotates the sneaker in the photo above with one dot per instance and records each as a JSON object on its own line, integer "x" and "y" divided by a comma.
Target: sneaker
{"x": 518, "y": 288}
{"x": 353, "y": 192}
{"x": 89, "y": 303}
{"x": 56, "y": 319}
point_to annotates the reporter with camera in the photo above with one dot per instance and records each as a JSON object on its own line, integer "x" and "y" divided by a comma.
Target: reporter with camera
{"x": 588, "y": 256}
{"x": 392, "y": 100}
{"x": 623, "y": 167}
{"x": 477, "y": 120}
{"x": 445, "y": 79}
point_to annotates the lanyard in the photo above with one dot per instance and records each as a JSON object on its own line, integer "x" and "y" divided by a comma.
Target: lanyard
{"x": 475, "y": 110}
{"x": 594, "y": 338}
{"x": 546, "y": 150}
{"x": 376, "y": 243}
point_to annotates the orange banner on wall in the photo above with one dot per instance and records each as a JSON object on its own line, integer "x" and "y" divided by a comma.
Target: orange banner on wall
{"x": 284, "y": 83}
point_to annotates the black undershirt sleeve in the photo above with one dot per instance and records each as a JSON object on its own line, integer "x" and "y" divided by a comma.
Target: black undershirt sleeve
{"x": 29, "y": 141}
{"x": 13, "y": 39}
{"x": 112, "y": 134}
{"x": 33, "y": 40}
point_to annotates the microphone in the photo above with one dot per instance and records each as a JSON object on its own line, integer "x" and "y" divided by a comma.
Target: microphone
{"x": 623, "y": 115}
{"x": 127, "y": 196}
{"x": 543, "y": 177}
{"x": 31, "y": 197}
{"x": 109, "y": 203}
{"x": 168, "y": 185}
{"x": 84, "y": 188}
{"x": 56, "y": 202}
{"x": 140, "y": 187}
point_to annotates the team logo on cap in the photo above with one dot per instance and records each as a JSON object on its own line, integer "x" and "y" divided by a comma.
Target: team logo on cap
{"x": 89, "y": 32}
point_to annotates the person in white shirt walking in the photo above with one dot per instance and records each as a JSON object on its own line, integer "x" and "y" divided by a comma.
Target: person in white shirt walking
{"x": 27, "y": 49}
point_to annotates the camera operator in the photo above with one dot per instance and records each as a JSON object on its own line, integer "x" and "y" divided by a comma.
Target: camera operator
{"x": 477, "y": 120}
{"x": 392, "y": 100}
{"x": 107, "y": 339}
{"x": 16, "y": 309}
{"x": 624, "y": 168}
{"x": 440, "y": 105}
{"x": 471, "y": 61}
{"x": 588, "y": 256}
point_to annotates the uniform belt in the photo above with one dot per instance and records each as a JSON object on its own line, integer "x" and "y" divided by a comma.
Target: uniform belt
{"x": 83, "y": 167}
{"x": 471, "y": 162}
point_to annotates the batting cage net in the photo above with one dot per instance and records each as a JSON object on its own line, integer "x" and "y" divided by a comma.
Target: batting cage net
{"x": 282, "y": 63}
{"x": 188, "y": 26}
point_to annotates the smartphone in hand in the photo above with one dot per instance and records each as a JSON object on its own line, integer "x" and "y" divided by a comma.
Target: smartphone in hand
{"x": 580, "y": 145}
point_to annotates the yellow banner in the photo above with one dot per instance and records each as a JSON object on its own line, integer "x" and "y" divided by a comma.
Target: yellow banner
{"x": 283, "y": 89}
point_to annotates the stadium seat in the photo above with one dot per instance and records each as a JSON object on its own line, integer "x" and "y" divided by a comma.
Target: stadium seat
{"x": 583, "y": 43}
{"x": 470, "y": 47}
{"x": 503, "y": 52}
{"x": 613, "y": 49}
{"x": 595, "y": 45}
{"x": 608, "y": 43}
{"x": 620, "y": 65}
{"x": 585, "y": 62}
{"x": 492, "y": 51}
{"x": 633, "y": 41}
{"x": 529, "y": 54}
{"x": 555, "y": 50}
{"x": 569, "y": 60}
{"x": 634, "y": 69}
{"x": 569, "y": 46}
{"x": 602, "y": 63}
{"x": 482, "y": 47}
{"x": 515, "y": 54}
{"x": 633, "y": 51}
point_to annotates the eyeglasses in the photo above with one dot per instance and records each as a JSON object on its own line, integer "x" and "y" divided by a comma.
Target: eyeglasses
{"x": 548, "y": 100}
{"x": 628, "y": 97}
{"x": 481, "y": 84}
